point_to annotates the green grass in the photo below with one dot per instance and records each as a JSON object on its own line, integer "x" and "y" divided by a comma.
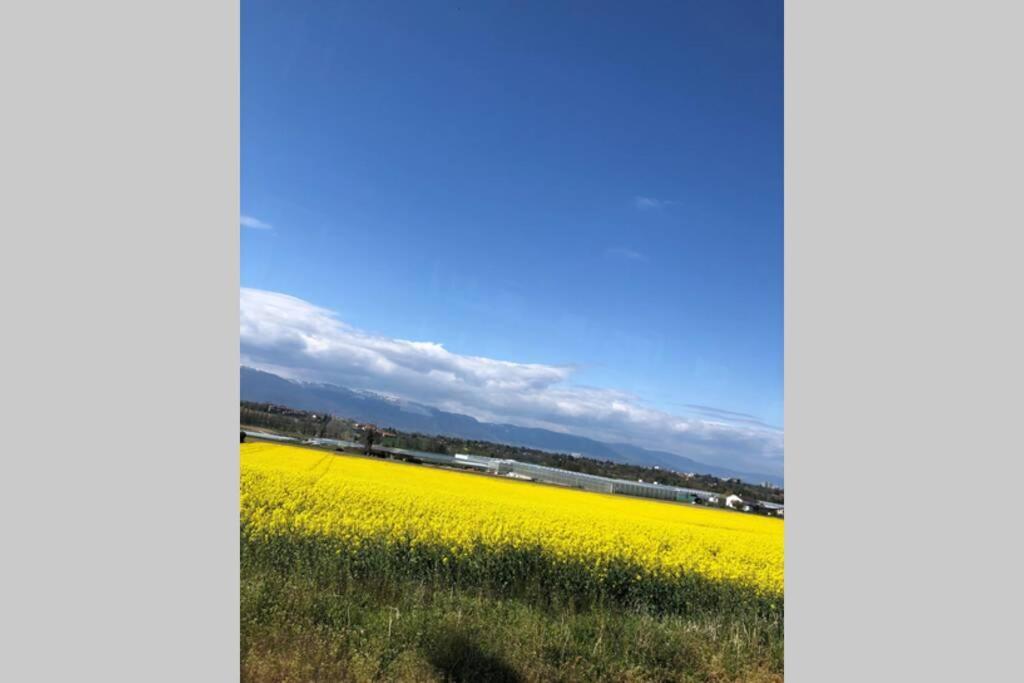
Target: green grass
{"x": 304, "y": 617}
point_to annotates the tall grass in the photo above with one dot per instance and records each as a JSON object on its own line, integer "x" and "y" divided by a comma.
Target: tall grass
{"x": 527, "y": 572}
{"x": 309, "y": 614}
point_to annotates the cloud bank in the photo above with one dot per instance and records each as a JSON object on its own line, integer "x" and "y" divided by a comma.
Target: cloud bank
{"x": 299, "y": 340}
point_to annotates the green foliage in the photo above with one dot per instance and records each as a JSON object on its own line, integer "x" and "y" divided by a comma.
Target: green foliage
{"x": 299, "y": 423}
{"x": 310, "y": 614}
{"x": 526, "y": 572}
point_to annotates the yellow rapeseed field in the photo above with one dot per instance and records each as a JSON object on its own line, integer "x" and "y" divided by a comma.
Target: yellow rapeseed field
{"x": 355, "y": 502}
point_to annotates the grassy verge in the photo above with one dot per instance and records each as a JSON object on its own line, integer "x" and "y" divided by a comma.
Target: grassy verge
{"x": 307, "y": 614}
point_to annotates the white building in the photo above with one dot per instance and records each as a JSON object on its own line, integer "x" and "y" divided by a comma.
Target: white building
{"x": 733, "y": 501}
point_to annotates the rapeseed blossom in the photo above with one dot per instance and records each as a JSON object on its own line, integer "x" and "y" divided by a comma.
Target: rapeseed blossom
{"x": 356, "y": 502}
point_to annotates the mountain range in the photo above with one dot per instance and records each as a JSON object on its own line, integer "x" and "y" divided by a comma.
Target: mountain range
{"x": 365, "y": 406}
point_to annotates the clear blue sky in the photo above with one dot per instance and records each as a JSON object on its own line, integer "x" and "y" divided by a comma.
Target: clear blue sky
{"x": 588, "y": 184}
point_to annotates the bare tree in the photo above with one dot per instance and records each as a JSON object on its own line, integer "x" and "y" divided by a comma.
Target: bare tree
{"x": 321, "y": 425}
{"x": 369, "y": 436}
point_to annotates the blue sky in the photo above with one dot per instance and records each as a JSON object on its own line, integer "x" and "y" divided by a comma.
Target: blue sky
{"x": 593, "y": 187}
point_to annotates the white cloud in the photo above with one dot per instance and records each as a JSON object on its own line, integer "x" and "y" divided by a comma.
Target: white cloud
{"x": 255, "y": 223}
{"x": 624, "y": 253}
{"x": 649, "y": 203}
{"x": 298, "y": 340}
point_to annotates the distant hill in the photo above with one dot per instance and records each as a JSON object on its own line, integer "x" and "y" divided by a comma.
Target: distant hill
{"x": 365, "y": 406}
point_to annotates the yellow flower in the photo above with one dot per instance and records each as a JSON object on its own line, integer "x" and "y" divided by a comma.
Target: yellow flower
{"x": 359, "y": 501}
